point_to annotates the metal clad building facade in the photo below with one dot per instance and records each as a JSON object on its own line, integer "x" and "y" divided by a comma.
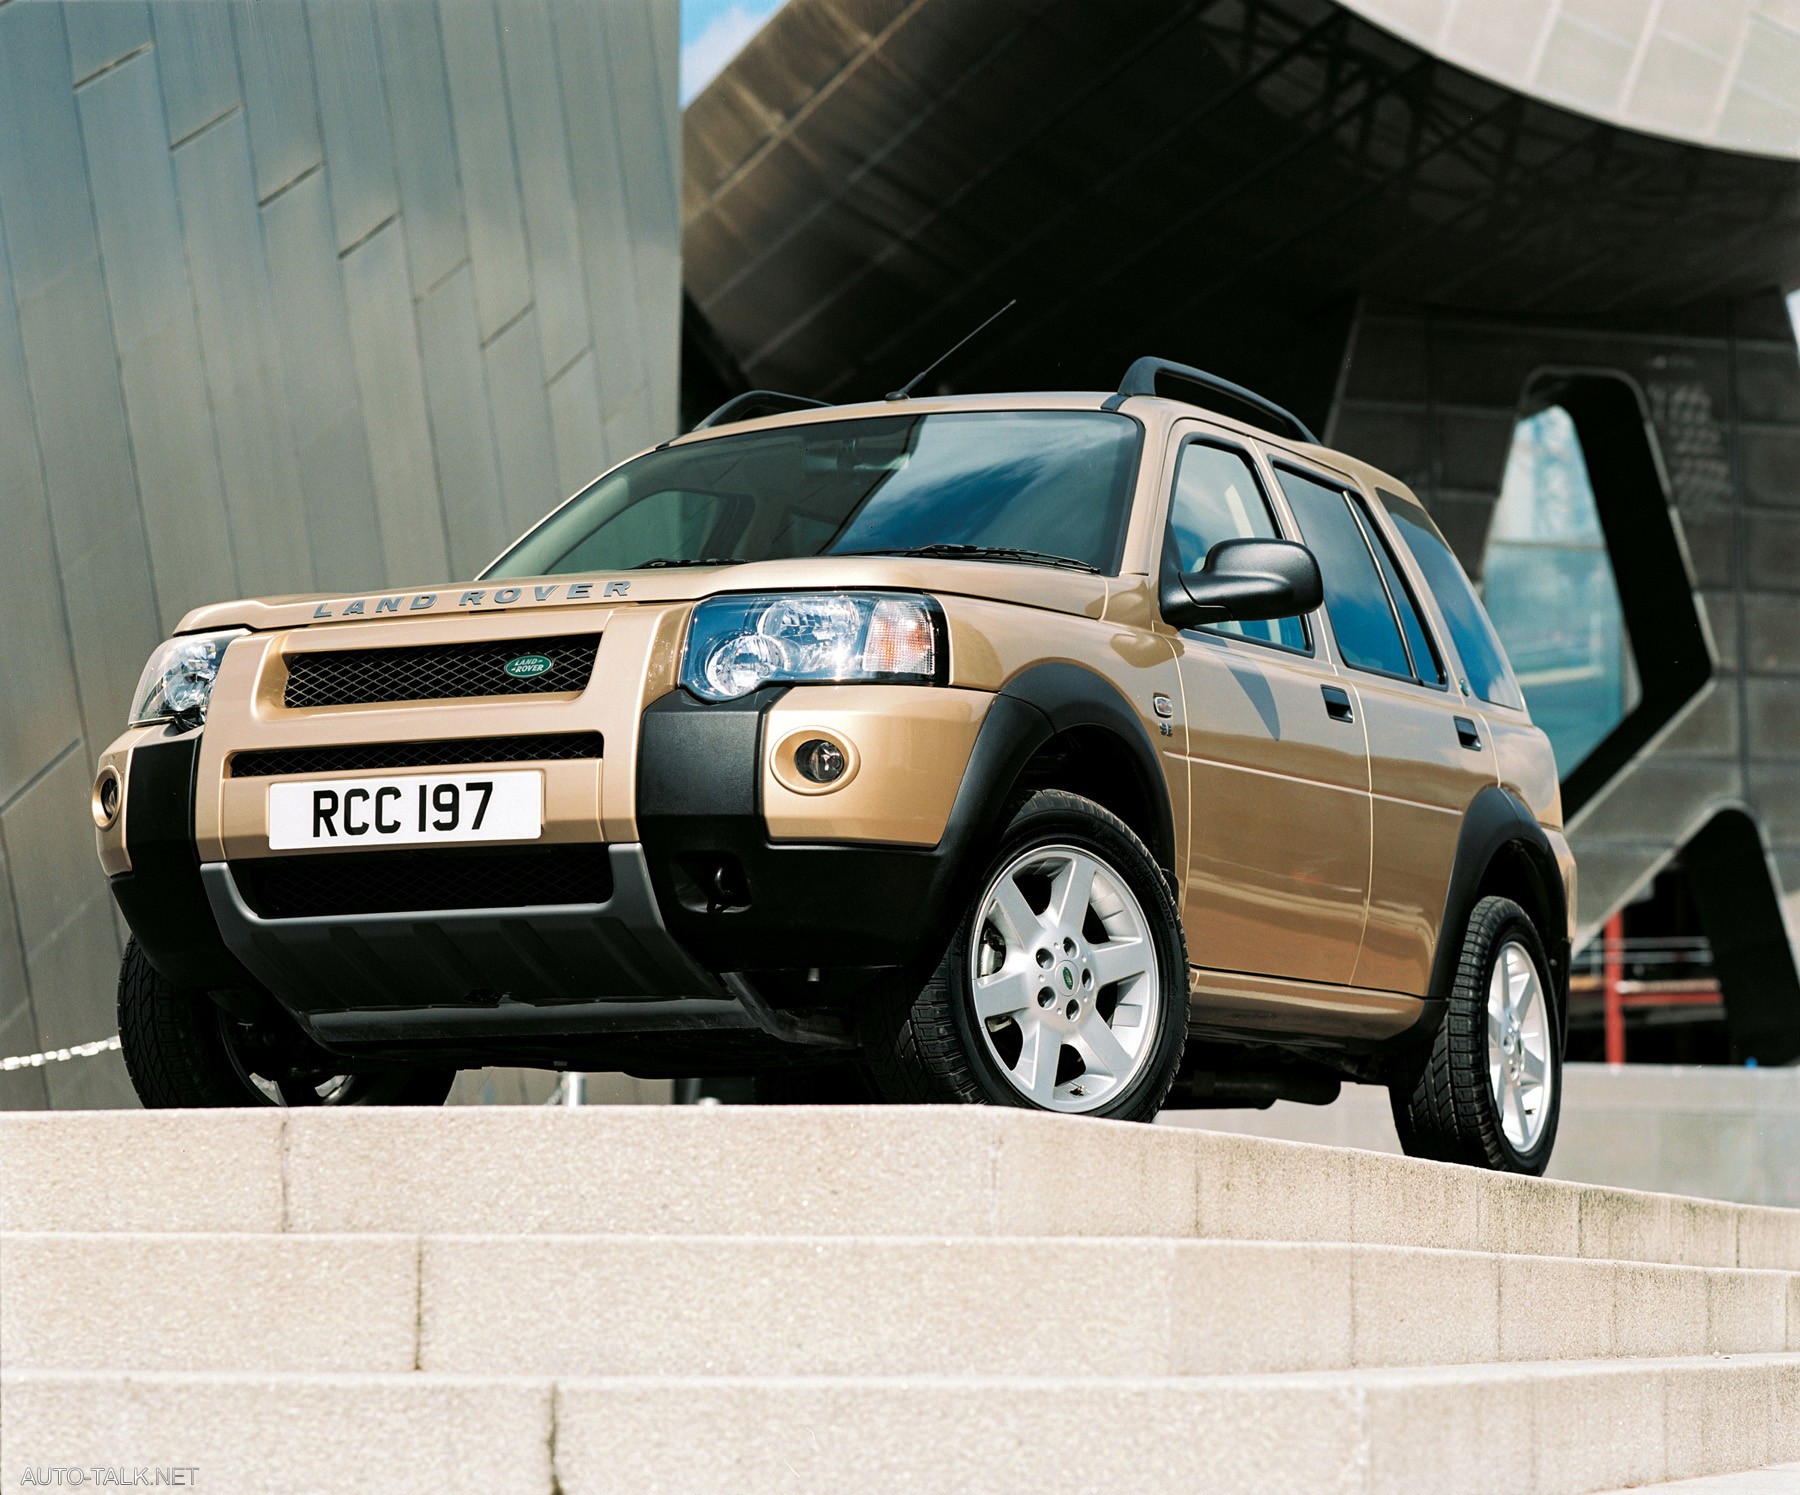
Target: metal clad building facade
{"x": 295, "y": 294}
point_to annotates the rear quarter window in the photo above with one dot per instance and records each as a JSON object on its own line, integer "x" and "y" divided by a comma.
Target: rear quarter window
{"x": 1483, "y": 658}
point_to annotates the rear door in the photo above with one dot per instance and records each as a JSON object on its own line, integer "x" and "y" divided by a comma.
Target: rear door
{"x": 1428, "y": 753}
{"x": 1277, "y": 767}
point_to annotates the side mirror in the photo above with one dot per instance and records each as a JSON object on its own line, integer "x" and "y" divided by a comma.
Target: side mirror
{"x": 1244, "y": 581}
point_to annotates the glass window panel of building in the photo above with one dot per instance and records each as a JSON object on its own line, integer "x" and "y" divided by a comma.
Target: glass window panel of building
{"x": 1548, "y": 585}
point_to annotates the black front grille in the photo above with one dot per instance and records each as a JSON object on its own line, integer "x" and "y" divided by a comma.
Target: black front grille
{"x": 396, "y": 882}
{"x": 437, "y": 672}
{"x": 545, "y": 747}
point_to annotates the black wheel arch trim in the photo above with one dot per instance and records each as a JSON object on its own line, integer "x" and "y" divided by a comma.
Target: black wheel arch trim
{"x": 1498, "y": 824}
{"x": 833, "y": 904}
{"x": 1070, "y": 696}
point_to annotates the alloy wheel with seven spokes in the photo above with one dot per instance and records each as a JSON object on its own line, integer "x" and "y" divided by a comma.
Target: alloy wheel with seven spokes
{"x": 1519, "y": 1068}
{"x": 1065, "y": 981}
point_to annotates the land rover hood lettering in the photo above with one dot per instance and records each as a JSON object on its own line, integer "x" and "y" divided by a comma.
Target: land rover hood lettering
{"x": 579, "y": 591}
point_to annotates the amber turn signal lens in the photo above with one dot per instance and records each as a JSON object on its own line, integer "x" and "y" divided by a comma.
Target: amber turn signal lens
{"x": 819, "y": 761}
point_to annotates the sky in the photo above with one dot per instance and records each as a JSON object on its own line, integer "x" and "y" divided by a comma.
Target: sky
{"x": 712, "y": 33}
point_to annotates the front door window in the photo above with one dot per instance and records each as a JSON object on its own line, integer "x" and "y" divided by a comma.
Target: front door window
{"x": 1217, "y": 498}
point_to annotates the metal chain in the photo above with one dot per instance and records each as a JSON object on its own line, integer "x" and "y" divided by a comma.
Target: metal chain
{"x": 56, "y": 1056}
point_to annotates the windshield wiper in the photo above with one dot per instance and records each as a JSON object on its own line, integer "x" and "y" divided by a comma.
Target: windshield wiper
{"x": 662, "y": 561}
{"x": 981, "y": 553}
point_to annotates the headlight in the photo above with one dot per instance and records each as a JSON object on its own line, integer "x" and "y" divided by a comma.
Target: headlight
{"x": 735, "y": 644}
{"x": 177, "y": 683}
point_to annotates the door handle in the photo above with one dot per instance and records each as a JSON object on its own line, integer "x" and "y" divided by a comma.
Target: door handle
{"x": 1337, "y": 703}
{"x": 1467, "y": 734}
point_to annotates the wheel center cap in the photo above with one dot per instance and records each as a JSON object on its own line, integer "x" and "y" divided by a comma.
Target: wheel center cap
{"x": 1067, "y": 976}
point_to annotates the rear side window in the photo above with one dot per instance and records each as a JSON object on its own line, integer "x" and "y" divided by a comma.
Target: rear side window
{"x": 1218, "y": 498}
{"x": 1362, "y": 620}
{"x": 1427, "y": 665}
{"x": 1483, "y": 660}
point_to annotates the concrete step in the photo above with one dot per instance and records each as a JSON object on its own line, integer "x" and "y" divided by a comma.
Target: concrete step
{"x": 942, "y": 1170}
{"x": 845, "y": 1306}
{"x": 1714, "y": 1130}
{"x": 1771, "y": 1479}
{"x": 1558, "y": 1429}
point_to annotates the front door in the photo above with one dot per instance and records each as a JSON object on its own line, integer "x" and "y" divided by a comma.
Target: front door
{"x": 1278, "y": 798}
{"x": 1427, "y": 753}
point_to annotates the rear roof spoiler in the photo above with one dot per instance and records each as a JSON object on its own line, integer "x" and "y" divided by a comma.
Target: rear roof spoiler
{"x": 1141, "y": 379}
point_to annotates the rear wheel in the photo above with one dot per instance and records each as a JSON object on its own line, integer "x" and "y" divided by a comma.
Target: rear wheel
{"x": 1489, "y": 1092}
{"x": 1065, "y": 986}
{"x": 182, "y": 1049}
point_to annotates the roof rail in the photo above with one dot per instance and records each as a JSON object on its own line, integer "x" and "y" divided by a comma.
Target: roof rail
{"x": 757, "y": 402}
{"x": 1141, "y": 377}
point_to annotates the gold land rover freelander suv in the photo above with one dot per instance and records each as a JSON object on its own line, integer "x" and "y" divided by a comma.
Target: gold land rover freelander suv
{"x": 1079, "y": 752}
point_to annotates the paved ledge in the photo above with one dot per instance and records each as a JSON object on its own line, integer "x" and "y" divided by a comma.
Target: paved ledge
{"x": 846, "y": 1305}
{"x": 675, "y": 1299}
{"x": 1524, "y": 1430}
{"x": 1713, "y": 1131}
{"x": 938, "y": 1170}
{"x": 1775, "y": 1479}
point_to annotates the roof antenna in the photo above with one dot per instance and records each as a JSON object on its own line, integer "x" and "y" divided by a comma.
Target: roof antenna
{"x": 906, "y": 389}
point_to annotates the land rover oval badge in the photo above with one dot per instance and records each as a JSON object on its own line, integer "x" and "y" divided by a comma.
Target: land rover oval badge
{"x": 527, "y": 665}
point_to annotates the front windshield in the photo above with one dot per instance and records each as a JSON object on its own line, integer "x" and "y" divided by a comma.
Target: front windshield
{"x": 1052, "y": 482}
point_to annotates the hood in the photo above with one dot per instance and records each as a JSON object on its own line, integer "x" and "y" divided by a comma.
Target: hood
{"x": 1029, "y": 586}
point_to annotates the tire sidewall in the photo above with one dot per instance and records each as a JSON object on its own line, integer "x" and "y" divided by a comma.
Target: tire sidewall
{"x": 1043, "y": 821}
{"x": 1515, "y": 927}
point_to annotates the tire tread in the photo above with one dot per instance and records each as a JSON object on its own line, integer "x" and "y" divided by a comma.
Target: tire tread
{"x": 1445, "y": 1111}
{"x": 919, "y": 1055}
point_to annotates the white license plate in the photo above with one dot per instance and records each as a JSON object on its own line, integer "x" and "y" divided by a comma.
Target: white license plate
{"x": 406, "y": 809}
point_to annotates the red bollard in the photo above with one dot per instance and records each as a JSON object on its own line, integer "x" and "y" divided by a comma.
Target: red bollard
{"x": 1612, "y": 954}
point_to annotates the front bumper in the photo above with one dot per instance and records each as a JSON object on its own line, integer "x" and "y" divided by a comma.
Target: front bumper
{"x": 844, "y": 882}
{"x": 343, "y": 974}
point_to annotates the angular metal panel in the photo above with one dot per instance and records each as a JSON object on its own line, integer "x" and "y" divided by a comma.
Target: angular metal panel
{"x": 103, "y": 31}
{"x": 20, "y": 1089}
{"x": 665, "y": 40}
{"x": 412, "y": 65}
{"x": 64, "y": 910}
{"x": 158, "y": 345}
{"x": 72, "y": 369}
{"x": 180, "y": 340}
{"x": 529, "y": 486}
{"x": 461, "y": 425}
{"x": 275, "y": 58}
{"x": 606, "y": 227}
{"x": 196, "y": 56}
{"x": 39, "y": 714}
{"x": 386, "y": 347}
{"x": 49, "y": 222}
{"x": 353, "y": 114}
{"x": 648, "y": 156}
{"x": 575, "y": 421}
{"x": 319, "y": 376}
{"x": 555, "y": 232}
{"x": 484, "y": 147}
{"x": 233, "y": 297}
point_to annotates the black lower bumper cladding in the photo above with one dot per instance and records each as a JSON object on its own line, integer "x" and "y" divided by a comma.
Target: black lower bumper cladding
{"x": 741, "y": 902}
{"x": 633, "y": 946}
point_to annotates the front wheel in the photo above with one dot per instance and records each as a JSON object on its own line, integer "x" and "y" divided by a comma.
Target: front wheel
{"x": 1065, "y": 986}
{"x": 1489, "y": 1092}
{"x": 182, "y": 1049}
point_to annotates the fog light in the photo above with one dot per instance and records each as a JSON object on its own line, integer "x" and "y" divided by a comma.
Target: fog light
{"x": 106, "y": 797}
{"x": 819, "y": 761}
